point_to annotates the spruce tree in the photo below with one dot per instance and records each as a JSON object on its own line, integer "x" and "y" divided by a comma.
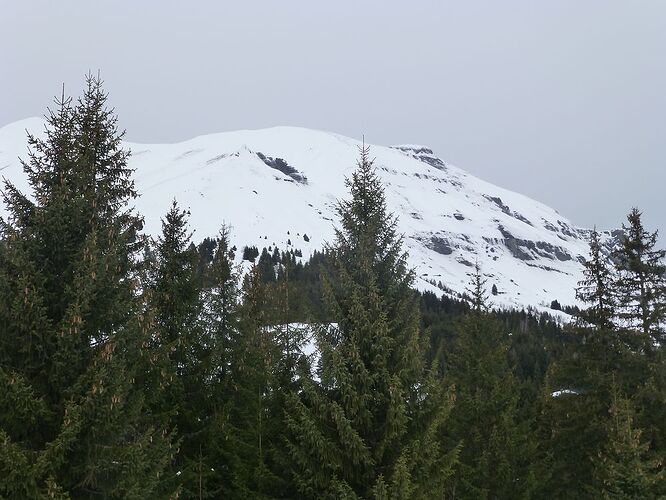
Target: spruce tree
{"x": 571, "y": 426}
{"x": 70, "y": 323}
{"x": 266, "y": 267}
{"x": 595, "y": 289}
{"x": 366, "y": 424}
{"x": 477, "y": 290}
{"x": 209, "y": 463}
{"x": 251, "y": 423}
{"x": 641, "y": 283}
{"x": 577, "y": 392}
{"x": 578, "y": 389}
{"x": 624, "y": 468}
{"x": 641, "y": 288}
{"x": 221, "y": 302}
{"x": 174, "y": 382}
{"x": 246, "y": 391}
{"x": 498, "y": 447}
{"x": 599, "y": 347}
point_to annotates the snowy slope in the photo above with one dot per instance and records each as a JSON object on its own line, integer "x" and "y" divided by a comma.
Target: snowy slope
{"x": 277, "y": 185}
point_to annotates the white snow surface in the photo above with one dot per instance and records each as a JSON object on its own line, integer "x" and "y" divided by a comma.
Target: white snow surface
{"x": 565, "y": 392}
{"x": 449, "y": 218}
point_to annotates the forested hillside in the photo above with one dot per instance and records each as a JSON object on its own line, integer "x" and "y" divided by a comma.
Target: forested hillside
{"x": 157, "y": 367}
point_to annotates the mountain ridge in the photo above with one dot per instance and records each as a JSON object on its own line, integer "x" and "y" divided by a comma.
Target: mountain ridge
{"x": 278, "y": 187}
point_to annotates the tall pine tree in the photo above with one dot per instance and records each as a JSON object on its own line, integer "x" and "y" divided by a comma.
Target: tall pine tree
{"x": 209, "y": 462}
{"x": 577, "y": 390}
{"x": 624, "y": 468}
{"x": 595, "y": 289}
{"x": 174, "y": 381}
{"x": 641, "y": 283}
{"x": 251, "y": 424}
{"x": 498, "y": 447}
{"x": 367, "y": 424}
{"x": 70, "y": 325}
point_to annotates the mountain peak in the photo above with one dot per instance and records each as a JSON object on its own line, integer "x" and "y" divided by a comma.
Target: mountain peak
{"x": 278, "y": 187}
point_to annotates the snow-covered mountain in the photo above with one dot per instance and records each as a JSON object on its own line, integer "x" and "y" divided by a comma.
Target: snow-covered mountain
{"x": 278, "y": 186}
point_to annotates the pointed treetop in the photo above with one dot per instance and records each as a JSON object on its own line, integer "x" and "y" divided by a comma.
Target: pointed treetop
{"x": 595, "y": 289}
{"x": 477, "y": 290}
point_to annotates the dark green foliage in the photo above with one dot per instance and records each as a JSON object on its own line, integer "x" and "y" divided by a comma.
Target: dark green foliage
{"x": 265, "y": 266}
{"x": 498, "y": 447}
{"x": 70, "y": 323}
{"x": 577, "y": 391}
{"x": 142, "y": 371}
{"x": 250, "y": 426}
{"x": 641, "y": 284}
{"x": 206, "y": 251}
{"x": 208, "y": 402}
{"x": 596, "y": 288}
{"x": 641, "y": 288}
{"x": 250, "y": 253}
{"x": 477, "y": 290}
{"x": 574, "y": 402}
{"x": 368, "y": 428}
{"x": 601, "y": 361}
{"x": 625, "y": 469}
{"x": 175, "y": 378}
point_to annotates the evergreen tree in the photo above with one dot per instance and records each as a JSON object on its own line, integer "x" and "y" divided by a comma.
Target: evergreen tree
{"x": 641, "y": 283}
{"x": 216, "y": 465}
{"x": 275, "y": 257}
{"x": 70, "y": 323}
{"x": 598, "y": 350}
{"x": 221, "y": 301}
{"x": 624, "y": 469}
{"x": 571, "y": 426}
{"x": 250, "y": 253}
{"x": 206, "y": 251}
{"x": 648, "y": 386}
{"x": 641, "y": 286}
{"x": 367, "y": 424}
{"x": 596, "y": 290}
{"x": 174, "y": 379}
{"x": 252, "y": 421}
{"x": 498, "y": 449}
{"x": 266, "y": 267}
{"x": 208, "y": 461}
{"x": 578, "y": 389}
{"x": 477, "y": 290}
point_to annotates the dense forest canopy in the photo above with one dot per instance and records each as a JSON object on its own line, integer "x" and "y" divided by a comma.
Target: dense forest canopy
{"x": 140, "y": 367}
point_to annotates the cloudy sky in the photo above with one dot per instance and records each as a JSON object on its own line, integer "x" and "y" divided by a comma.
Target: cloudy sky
{"x": 564, "y": 101}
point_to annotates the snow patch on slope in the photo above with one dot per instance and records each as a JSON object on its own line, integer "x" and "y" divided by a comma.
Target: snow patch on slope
{"x": 279, "y": 186}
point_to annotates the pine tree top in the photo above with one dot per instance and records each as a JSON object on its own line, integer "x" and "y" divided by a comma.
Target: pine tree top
{"x": 596, "y": 287}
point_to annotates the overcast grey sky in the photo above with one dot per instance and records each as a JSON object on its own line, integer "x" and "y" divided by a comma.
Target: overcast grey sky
{"x": 564, "y": 101}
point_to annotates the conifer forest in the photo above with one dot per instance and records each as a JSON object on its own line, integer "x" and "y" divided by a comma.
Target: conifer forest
{"x": 137, "y": 366}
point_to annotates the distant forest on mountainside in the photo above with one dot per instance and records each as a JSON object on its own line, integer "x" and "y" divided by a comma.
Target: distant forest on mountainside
{"x": 157, "y": 367}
